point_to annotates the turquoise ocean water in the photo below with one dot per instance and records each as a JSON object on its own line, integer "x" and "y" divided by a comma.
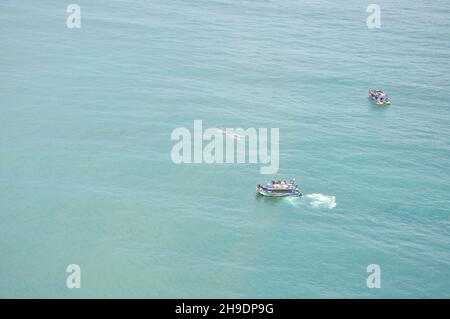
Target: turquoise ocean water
{"x": 86, "y": 175}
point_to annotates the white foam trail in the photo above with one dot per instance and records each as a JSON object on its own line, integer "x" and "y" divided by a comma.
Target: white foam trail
{"x": 293, "y": 201}
{"x": 321, "y": 200}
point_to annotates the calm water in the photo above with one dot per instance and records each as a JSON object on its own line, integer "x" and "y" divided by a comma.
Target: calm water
{"x": 85, "y": 169}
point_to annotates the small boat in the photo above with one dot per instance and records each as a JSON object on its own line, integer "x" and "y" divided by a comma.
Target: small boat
{"x": 279, "y": 189}
{"x": 379, "y": 97}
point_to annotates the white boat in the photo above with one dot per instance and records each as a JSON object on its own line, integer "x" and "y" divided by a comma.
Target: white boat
{"x": 279, "y": 189}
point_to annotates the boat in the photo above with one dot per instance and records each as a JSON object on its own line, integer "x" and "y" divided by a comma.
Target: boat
{"x": 379, "y": 97}
{"x": 279, "y": 189}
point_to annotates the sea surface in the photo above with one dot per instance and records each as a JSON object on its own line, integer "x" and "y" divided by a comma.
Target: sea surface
{"x": 86, "y": 175}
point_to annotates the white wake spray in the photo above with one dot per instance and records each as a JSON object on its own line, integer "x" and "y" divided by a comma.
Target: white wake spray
{"x": 321, "y": 200}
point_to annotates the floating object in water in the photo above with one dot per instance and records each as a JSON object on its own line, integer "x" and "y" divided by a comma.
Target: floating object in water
{"x": 379, "y": 97}
{"x": 279, "y": 189}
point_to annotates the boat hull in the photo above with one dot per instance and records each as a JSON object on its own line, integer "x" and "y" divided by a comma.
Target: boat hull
{"x": 267, "y": 193}
{"x": 378, "y": 102}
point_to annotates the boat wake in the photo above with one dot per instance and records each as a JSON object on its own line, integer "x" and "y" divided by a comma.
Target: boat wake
{"x": 322, "y": 201}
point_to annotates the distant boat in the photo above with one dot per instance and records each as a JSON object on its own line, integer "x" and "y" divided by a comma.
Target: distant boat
{"x": 279, "y": 189}
{"x": 379, "y": 97}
